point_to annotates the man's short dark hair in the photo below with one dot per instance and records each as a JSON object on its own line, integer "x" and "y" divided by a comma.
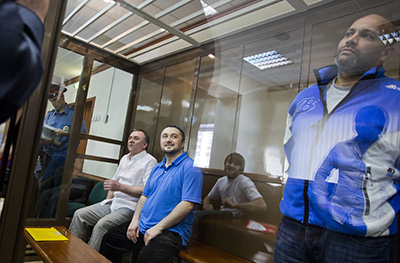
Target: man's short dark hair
{"x": 146, "y": 136}
{"x": 236, "y": 158}
{"x": 178, "y": 128}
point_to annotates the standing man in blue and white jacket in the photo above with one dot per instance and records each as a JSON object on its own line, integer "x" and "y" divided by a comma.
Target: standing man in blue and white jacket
{"x": 342, "y": 142}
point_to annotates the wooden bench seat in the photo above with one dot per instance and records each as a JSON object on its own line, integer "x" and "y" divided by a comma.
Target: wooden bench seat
{"x": 72, "y": 251}
{"x": 199, "y": 252}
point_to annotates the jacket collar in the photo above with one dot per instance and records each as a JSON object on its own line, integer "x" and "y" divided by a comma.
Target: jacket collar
{"x": 326, "y": 74}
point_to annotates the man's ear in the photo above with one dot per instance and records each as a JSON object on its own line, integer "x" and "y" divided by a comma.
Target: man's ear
{"x": 387, "y": 53}
{"x": 183, "y": 145}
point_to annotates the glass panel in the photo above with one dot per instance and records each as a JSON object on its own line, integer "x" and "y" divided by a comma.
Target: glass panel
{"x": 216, "y": 101}
{"x": 109, "y": 93}
{"x": 54, "y": 139}
{"x": 175, "y": 101}
{"x": 238, "y": 101}
{"x": 266, "y": 96}
{"x": 148, "y": 104}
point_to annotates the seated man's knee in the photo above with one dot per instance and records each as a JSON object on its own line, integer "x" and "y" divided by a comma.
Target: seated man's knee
{"x": 80, "y": 213}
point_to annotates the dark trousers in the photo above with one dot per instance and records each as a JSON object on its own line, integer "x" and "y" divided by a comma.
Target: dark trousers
{"x": 160, "y": 249}
{"x": 299, "y": 243}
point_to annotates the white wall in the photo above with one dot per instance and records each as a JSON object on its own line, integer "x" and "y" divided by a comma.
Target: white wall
{"x": 111, "y": 88}
{"x": 112, "y": 97}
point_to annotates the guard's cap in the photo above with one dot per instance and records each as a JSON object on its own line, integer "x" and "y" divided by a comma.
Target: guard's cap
{"x": 55, "y": 89}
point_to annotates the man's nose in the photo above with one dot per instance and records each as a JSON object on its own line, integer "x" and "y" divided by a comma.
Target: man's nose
{"x": 353, "y": 40}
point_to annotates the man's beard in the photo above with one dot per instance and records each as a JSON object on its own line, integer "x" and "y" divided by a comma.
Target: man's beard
{"x": 354, "y": 66}
{"x": 171, "y": 152}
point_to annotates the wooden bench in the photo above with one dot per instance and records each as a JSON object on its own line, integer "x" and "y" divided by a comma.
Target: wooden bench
{"x": 72, "y": 251}
{"x": 199, "y": 252}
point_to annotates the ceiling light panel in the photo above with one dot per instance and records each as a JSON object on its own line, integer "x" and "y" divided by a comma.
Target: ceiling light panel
{"x": 110, "y": 26}
{"x": 73, "y": 7}
{"x": 193, "y": 13}
{"x": 267, "y": 60}
{"x": 168, "y": 14}
{"x": 139, "y": 3}
{"x": 90, "y": 11}
{"x": 311, "y": 2}
{"x": 111, "y": 19}
{"x": 140, "y": 42}
{"x": 132, "y": 37}
{"x": 159, "y": 5}
{"x": 123, "y": 29}
{"x": 144, "y": 34}
{"x": 229, "y": 5}
{"x": 107, "y": 19}
{"x": 185, "y": 11}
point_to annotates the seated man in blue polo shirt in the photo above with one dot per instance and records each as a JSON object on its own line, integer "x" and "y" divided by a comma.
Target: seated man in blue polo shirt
{"x": 162, "y": 222}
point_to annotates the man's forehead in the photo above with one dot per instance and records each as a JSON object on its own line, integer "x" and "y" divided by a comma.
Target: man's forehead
{"x": 370, "y": 22}
{"x": 136, "y": 133}
{"x": 171, "y": 130}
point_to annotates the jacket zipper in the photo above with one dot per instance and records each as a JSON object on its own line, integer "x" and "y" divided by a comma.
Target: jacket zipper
{"x": 321, "y": 123}
{"x": 367, "y": 178}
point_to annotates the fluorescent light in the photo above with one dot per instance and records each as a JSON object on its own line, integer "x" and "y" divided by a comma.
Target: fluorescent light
{"x": 211, "y": 56}
{"x": 207, "y": 9}
{"x": 390, "y": 37}
{"x": 145, "y": 108}
{"x": 267, "y": 60}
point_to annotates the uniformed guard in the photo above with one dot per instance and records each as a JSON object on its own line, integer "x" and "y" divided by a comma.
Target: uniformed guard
{"x": 54, "y": 147}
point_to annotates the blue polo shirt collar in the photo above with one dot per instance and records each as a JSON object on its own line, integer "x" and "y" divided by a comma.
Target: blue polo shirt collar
{"x": 176, "y": 162}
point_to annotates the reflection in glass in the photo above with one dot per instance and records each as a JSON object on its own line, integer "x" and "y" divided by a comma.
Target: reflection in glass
{"x": 215, "y": 105}
{"x": 265, "y": 96}
{"x": 148, "y": 104}
{"x": 110, "y": 88}
{"x": 54, "y": 139}
{"x": 203, "y": 146}
{"x": 175, "y": 100}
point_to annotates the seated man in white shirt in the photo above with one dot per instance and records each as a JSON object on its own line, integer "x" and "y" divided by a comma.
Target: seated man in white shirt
{"x": 124, "y": 190}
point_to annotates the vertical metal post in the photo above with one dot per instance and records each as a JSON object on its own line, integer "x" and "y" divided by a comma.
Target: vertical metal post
{"x": 21, "y": 177}
{"x": 74, "y": 137}
{"x": 130, "y": 116}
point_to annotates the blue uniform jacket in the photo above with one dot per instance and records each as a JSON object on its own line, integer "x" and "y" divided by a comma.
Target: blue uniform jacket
{"x": 61, "y": 121}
